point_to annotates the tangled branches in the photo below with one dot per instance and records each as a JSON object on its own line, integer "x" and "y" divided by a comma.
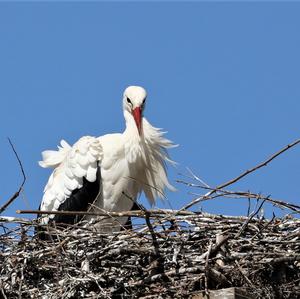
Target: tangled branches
{"x": 200, "y": 252}
{"x": 177, "y": 253}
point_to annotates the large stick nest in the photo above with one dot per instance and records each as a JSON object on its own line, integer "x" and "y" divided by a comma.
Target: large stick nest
{"x": 174, "y": 254}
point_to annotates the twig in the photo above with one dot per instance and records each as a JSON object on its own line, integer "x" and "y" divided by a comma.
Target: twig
{"x": 140, "y": 214}
{"x": 247, "y": 172}
{"x": 126, "y": 265}
{"x": 251, "y": 195}
{"x": 285, "y": 259}
{"x": 249, "y": 206}
{"x": 10, "y": 219}
{"x": 159, "y": 257}
{"x": 3, "y": 208}
{"x": 206, "y": 268}
{"x": 244, "y": 275}
{"x": 213, "y": 250}
{"x": 2, "y": 291}
{"x": 249, "y": 219}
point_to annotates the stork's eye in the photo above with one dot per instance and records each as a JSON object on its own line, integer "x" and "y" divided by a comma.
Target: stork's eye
{"x": 128, "y": 101}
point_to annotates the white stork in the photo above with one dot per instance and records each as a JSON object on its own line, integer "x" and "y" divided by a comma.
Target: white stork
{"x": 108, "y": 172}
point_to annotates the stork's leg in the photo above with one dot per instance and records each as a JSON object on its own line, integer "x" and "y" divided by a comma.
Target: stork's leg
{"x": 128, "y": 224}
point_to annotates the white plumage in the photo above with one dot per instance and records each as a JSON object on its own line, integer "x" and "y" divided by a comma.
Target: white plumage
{"x": 71, "y": 165}
{"x": 129, "y": 163}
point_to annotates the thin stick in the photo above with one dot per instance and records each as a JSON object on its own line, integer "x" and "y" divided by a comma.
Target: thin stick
{"x": 249, "y": 195}
{"x": 10, "y": 219}
{"x": 206, "y": 269}
{"x": 113, "y": 214}
{"x": 237, "y": 235}
{"x": 234, "y": 180}
{"x": 23, "y": 182}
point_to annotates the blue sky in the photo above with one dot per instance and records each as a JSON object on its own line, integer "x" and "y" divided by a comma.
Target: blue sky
{"x": 222, "y": 79}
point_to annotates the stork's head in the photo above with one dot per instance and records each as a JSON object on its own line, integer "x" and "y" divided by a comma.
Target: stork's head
{"x": 134, "y": 100}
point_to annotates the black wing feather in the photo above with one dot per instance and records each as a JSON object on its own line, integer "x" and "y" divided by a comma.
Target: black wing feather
{"x": 79, "y": 200}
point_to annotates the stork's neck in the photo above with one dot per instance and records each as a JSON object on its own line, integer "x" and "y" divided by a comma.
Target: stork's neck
{"x": 131, "y": 131}
{"x": 133, "y": 141}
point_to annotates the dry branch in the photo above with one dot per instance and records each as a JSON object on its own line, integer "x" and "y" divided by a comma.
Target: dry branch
{"x": 242, "y": 175}
{"x": 125, "y": 264}
{"x": 10, "y": 200}
{"x": 169, "y": 253}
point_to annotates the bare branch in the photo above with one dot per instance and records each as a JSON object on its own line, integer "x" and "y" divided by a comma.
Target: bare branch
{"x": 108, "y": 214}
{"x": 247, "y": 172}
{"x": 244, "y": 194}
{"x": 3, "y": 208}
{"x": 123, "y": 263}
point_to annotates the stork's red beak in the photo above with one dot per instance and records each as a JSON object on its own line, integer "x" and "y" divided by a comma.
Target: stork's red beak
{"x": 137, "y": 115}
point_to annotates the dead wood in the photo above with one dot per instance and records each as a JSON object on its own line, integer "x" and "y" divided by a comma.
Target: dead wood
{"x": 169, "y": 254}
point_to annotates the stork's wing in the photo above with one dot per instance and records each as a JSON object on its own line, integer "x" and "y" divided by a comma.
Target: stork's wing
{"x": 75, "y": 180}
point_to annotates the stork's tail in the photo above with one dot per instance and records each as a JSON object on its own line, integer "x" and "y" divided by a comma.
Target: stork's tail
{"x": 51, "y": 159}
